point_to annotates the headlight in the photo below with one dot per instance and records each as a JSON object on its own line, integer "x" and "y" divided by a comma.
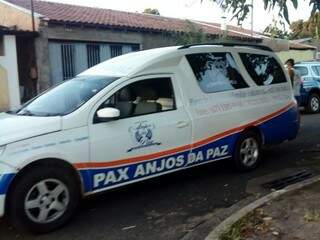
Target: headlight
{"x": 2, "y": 148}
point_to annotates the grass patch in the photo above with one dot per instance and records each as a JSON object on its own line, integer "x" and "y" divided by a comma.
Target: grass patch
{"x": 247, "y": 226}
{"x": 312, "y": 215}
{"x": 235, "y": 232}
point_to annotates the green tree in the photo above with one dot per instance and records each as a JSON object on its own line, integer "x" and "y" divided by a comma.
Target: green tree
{"x": 301, "y": 29}
{"x": 277, "y": 30}
{"x": 315, "y": 21}
{"x": 193, "y": 34}
{"x": 305, "y": 29}
{"x": 153, "y": 11}
{"x": 241, "y": 8}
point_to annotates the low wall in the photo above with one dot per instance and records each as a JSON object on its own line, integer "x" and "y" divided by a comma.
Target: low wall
{"x": 4, "y": 93}
{"x": 297, "y": 55}
{"x": 9, "y": 79}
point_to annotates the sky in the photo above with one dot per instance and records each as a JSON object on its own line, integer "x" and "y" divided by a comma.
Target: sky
{"x": 196, "y": 9}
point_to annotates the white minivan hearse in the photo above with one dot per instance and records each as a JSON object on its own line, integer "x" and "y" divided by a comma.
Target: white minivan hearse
{"x": 139, "y": 116}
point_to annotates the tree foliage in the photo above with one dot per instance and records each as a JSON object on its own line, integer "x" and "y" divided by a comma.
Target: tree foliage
{"x": 305, "y": 29}
{"x": 276, "y": 30}
{"x": 194, "y": 34}
{"x": 241, "y": 8}
{"x": 153, "y": 11}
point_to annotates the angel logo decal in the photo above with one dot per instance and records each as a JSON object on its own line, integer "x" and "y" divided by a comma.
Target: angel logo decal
{"x": 142, "y": 135}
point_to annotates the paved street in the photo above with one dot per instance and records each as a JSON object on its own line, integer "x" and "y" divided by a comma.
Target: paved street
{"x": 172, "y": 206}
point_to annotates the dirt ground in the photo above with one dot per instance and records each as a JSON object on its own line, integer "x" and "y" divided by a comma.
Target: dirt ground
{"x": 293, "y": 216}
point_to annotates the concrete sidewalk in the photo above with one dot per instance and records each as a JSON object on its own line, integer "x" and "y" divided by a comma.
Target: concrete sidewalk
{"x": 292, "y": 216}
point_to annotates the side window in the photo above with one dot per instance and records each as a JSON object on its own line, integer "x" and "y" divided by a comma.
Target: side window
{"x": 216, "y": 72}
{"x": 303, "y": 71}
{"x": 143, "y": 97}
{"x": 263, "y": 69}
{"x": 316, "y": 70}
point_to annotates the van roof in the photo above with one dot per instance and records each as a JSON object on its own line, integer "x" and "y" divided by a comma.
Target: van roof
{"x": 313, "y": 62}
{"x": 229, "y": 44}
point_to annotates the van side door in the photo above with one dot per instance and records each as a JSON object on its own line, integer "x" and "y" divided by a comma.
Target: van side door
{"x": 151, "y": 137}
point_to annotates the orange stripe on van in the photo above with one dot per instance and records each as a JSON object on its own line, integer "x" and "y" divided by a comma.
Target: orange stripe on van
{"x": 182, "y": 148}
{"x": 131, "y": 160}
{"x": 239, "y": 129}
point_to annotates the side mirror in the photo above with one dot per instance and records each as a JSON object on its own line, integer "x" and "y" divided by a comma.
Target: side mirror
{"x": 108, "y": 113}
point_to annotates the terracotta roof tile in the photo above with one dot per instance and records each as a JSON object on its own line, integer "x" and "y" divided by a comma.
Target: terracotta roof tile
{"x": 65, "y": 13}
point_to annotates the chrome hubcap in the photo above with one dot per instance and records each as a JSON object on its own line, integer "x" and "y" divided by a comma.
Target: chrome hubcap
{"x": 315, "y": 104}
{"x": 46, "y": 201}
{"x": 249, "y": 152}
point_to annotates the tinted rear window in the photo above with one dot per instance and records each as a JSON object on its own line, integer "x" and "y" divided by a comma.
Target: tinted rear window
{"x": 263, "y": 69}
{"x": 303, "y": 71}
{"x": 316, "y": 70}
{"x": 216, "y": 72}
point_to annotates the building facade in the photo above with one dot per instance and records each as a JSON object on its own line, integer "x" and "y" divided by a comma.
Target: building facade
{"x": 73, "y": 38}
{"x": 65, "y": 51}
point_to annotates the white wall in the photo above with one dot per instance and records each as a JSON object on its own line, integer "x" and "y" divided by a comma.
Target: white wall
{"x": 9, "y": 62}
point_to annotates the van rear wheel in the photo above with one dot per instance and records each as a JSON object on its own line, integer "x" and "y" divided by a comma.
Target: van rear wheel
{"x": 313, "y": 105}
{"x": 43, "y": 199}
{"x": 247, "y": 151}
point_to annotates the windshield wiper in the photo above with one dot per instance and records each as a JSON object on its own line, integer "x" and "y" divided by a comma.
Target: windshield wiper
{"x": 50, "y": 115}
{"x": 25, "y": 113}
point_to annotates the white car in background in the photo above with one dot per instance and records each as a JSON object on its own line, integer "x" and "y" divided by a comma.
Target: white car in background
{"x": 310, "y": 88}
{"x": 139, "y": 116}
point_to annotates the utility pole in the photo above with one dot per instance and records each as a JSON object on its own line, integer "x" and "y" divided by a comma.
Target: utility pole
{"x": 317, "y": 24}
{"x": 32, "y": 16}
{"x": 252, "y": 18}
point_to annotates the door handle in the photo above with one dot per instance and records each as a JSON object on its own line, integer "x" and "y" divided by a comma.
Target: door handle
{"x": 182, "y": 124}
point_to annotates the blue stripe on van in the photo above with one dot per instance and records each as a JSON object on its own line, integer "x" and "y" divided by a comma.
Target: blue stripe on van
{"x": 281, "y": 128}
{"x": 104, "y": 178}
{"x": 5, "y": 180}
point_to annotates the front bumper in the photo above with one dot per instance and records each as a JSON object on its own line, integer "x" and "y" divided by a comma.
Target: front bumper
{"x": 7, "y": 174}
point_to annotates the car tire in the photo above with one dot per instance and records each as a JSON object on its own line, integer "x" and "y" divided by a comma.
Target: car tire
{"x": 313, "y": 104}
{"x": 43, "y": 199}
{"x": 247, "y": 153}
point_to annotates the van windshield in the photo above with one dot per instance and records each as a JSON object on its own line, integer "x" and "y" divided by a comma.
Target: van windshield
{"x": 66, "y": 97}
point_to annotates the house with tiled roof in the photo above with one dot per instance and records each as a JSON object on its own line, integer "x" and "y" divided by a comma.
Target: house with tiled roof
{"x": 73, "y": 38}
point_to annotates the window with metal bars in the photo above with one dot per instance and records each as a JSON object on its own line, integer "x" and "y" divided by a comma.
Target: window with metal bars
{"x": 135, "y": 47}
{"x": 116, "y": 50}
{"x": 67, "y": 56}
{"x": 93, "y": 54}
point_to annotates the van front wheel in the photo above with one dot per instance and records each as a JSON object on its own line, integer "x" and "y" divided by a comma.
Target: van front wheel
{"x": 247, "y": 151}
{"x": 43, "y": 199}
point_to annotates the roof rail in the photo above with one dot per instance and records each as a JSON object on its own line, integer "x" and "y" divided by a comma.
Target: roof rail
{"x": 229, "y": 44}
{"x": 307, "y": 61}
